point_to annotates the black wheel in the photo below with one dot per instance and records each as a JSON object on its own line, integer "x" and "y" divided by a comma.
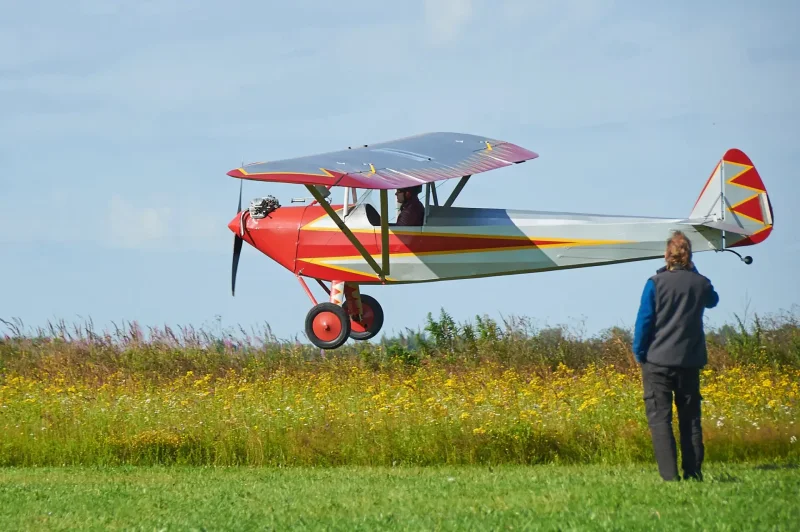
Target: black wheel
{"x": 327, "y": 325}
{"x": 371, "y": 319}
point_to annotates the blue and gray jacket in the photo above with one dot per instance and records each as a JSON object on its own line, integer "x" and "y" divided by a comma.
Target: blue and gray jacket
{"x": 669, "y": 325}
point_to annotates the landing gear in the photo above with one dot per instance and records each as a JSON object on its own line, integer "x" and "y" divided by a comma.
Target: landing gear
{"x": 327, "y": 325}
{"x": 348, "y": 314}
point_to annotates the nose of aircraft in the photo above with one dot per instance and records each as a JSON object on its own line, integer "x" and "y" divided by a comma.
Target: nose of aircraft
{"x": 235, "y": 224}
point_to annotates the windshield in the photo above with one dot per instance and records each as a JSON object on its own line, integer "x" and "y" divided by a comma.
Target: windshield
{"x": 373, "y": 197}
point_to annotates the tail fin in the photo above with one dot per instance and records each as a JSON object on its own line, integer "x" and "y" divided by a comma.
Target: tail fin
{"x": 735, "y": 201}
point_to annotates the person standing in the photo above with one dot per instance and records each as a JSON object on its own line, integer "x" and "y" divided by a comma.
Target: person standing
{"x": 669, "y": 344}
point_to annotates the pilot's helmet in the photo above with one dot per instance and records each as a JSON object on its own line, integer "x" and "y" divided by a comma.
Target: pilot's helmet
{"x": 416, "y": 189}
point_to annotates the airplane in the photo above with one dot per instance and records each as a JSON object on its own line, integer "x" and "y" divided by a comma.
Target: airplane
{"x": 354, "y": 243}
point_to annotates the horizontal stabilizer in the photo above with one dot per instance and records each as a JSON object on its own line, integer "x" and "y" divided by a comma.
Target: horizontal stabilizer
{"x": 722, "y": 226}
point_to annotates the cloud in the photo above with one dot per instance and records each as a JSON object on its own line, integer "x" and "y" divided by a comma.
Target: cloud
{"x": 125, "y": 224}
{"x": 142, "y": 8}
{"x": 445, "y": 18}
{"x": 175, "y": 228}
{"x": 40, "y": 213}
{"x": 542, "y": 63}
{"x": 581, "y": 63}
{"x": 199, "y": 230}
{"x": 135, "y": 227}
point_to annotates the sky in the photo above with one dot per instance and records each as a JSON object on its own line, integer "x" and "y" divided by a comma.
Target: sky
{"x": 119, "y": 121}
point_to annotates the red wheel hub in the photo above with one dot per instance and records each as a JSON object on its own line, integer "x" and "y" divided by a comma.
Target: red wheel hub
{"x": 326, "y": 326}
{"x": 367, "y": 319}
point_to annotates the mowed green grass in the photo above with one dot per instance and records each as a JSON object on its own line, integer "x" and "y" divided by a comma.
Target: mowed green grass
{"x": 548, "y": 497}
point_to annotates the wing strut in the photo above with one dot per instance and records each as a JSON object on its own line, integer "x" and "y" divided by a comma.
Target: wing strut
{"x": 385, "y": 231}
{"x": 456, "y": 191}
{"x": 346, "y": 230}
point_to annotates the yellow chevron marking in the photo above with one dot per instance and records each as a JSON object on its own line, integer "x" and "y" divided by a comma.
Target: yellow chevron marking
{"x": 760, "y": 191}
{"x": 759, "y": 222}
{"x": 319, "y": 262}
{"x": 762, "y": 230}
{"x": 309, "y": 225}
{"x": 744, "y": 168}
{"x": 737, "y": 213}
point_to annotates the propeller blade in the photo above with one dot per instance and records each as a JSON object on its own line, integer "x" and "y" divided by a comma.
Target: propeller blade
{"x": 237, "y": 246}
{"x": 237, "y": 250}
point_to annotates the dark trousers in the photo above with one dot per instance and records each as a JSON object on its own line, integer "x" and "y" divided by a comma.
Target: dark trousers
{"x": 662, "y": 385}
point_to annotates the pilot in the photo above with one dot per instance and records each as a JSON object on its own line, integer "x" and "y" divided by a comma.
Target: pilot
{"x": 412, "y": 212}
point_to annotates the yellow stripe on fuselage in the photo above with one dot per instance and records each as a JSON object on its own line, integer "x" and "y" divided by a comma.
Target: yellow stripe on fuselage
{"x": 577, "y": 243}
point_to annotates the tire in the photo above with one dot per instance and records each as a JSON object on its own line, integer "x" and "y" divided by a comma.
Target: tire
{"x": 327, "y": 325}
{"x": 373, "y": 318}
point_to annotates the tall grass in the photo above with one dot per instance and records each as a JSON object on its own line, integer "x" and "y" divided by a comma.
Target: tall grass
{"x": 479, "y": 392}
{"x": 79, "y": 350}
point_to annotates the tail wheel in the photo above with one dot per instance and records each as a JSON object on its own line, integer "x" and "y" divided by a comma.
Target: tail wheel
{"x": 327, "y": 325}
{"x": 371, "y": 319}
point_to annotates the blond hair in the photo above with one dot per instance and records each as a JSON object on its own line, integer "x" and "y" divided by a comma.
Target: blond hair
{"x": 679, "y": 251}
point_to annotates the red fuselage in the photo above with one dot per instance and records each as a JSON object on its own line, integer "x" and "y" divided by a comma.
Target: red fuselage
{"x": 284, "y": 237}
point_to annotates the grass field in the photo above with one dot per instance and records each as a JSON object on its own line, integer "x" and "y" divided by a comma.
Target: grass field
{"x": 733, "y": 497}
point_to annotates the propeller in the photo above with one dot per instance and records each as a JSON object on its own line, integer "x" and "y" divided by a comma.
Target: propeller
{"x": 237, "y": 246}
